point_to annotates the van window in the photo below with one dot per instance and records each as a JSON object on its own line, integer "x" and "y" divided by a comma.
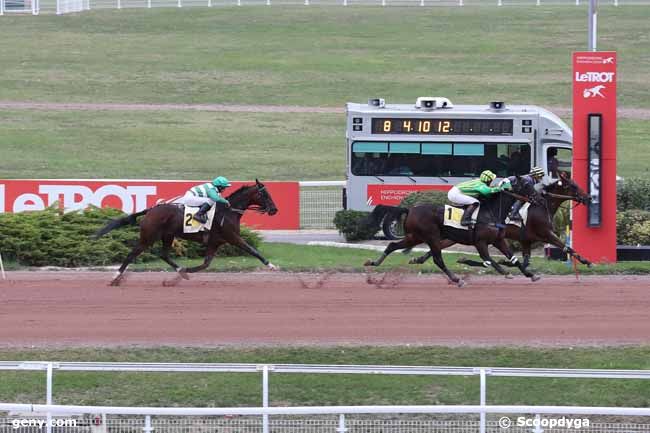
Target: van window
{"x": 558, "y": 159}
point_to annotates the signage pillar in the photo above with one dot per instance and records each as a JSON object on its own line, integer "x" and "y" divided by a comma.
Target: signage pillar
{"x": 594, "y": 153}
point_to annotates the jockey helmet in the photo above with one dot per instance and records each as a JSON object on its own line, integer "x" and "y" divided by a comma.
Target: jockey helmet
{"x": 487, "y": 176}
{"x": 221, "y": 182}
{"x": 537, "y": 172}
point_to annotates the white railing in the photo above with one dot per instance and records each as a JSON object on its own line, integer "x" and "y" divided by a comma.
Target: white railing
{"x": 64, "y": 6}
{"x": 319, "y": 202}
{"x": 266, "y": 369}
{"x": 25, "y": 410}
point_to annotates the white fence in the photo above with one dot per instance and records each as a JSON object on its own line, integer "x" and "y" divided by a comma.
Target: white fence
{"x": 319, "y": 202}
{"x": 67, "y": 6}
{"x": 264, "y": 424}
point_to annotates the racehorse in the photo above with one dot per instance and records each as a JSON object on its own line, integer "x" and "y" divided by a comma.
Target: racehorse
{"x": 165, "y": 222}
{"x": 425, "y": 224}
{"x": 539, "y": 224}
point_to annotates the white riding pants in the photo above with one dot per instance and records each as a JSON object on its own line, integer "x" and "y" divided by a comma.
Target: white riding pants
{"x": 190, "y": 199}
{"x": 457, "y": 197}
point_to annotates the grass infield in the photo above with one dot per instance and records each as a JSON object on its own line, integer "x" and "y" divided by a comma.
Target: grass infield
{"x": 224, "y": 390}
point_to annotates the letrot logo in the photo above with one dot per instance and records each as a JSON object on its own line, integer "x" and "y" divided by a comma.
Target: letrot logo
{"x": 608, "y": 60}
{"x": 595, "y": 77}
{"x": 594, "y": 91}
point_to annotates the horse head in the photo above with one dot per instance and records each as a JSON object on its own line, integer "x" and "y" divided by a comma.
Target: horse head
{"x": 566, "y": 186}
{"x": 255, "y": 197}
{"x": 264, "y": 199}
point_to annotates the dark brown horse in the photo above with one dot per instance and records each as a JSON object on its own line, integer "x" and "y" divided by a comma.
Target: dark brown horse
{"x": 539, "y": 224}
{"x": 424, "y": 224}
{"x": 164, "y": 222}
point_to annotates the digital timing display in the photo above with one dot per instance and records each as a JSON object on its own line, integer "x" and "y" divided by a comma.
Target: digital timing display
{"x": 401, "y": 125}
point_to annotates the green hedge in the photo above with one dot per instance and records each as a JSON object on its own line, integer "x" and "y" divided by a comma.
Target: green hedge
{"x": 633, "y": 193}
{"x": 50, "y": 238}
{"x": 352, "y": 224}
{"x": 632, "y": 227}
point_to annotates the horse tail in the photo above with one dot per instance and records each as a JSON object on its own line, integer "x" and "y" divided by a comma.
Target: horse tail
{"x": 119, "y": 222}
{"x": 382, "y": 211}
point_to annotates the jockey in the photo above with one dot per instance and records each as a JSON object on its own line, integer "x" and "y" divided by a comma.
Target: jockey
{"x": 467, "y": 194}
{"x": 205, "y": 195}
{"x": 528, "y": 185}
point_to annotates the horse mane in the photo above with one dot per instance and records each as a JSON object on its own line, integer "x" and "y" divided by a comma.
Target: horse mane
{"x": 235, "y": 194}
{"x": 240, "y": 194}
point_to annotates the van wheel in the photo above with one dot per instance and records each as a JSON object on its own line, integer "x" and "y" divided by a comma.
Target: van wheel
{"x": 393, "y": 228}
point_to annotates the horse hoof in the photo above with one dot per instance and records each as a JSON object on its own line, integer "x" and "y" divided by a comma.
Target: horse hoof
{"x": 182, "y": 272}
{"x": 369, "y": 263}
{"x": 460, "y": 283}
{"x": 509, "y": 276}
{"x": 535, "y": 278}
{"x": 590, "y": 265}
{"x": 272, "y": 267}
{"x": 116, "y": 279}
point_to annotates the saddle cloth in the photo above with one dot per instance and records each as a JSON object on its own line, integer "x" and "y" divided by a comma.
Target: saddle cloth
{"x": 453, "y": 215}
{"x": 523, "y": 211}
{"x": 190, "y": 225}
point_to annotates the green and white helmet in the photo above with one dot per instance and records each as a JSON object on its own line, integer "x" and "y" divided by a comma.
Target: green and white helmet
{"x": 220, "y": 182}
{"x": 537, "y": 172}
{"x": 487, "y": 176}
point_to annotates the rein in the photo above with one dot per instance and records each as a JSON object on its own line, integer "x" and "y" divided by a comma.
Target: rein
{"x": 560, "y": 196}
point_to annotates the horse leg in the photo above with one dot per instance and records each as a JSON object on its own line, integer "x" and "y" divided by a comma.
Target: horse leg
{"x": 209, "y": 255}
{"x": 240, "y": 243}
{"x": 164, "y": 254}
{"x": 407, "y": 242}
{"x": 436, "y": 253}
{"x": 502, "y": 246}
{"x": 135, "y": 252}
{"x": 482, "y": 248}
{"x": 555, "y": 240}
{"x": 525, "y": 251}
{"x": 423, "y": 258}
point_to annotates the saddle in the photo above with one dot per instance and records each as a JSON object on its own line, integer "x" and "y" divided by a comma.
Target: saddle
{"x": 523, "y": 212}
{"x": 190, "y": 225}
{"x": 454, "y": 214}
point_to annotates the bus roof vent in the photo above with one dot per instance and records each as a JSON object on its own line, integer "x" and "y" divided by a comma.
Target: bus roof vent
{"x": 497, "y": 105}
{"x": 433, "y": 103}
{"x": 377, "y": 102}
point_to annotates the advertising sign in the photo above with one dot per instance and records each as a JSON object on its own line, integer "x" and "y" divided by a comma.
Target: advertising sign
{"x": 594, "y": 153}
{"x": 135, "y": 195}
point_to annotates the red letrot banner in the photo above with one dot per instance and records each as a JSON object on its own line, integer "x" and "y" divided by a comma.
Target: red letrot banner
{"x": 135, "y": 195}
{"x": 392, "y": 195}
{"x": 594, "y": 153}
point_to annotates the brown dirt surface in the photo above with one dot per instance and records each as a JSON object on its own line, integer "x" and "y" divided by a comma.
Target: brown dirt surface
{"x": 66, "y": 308}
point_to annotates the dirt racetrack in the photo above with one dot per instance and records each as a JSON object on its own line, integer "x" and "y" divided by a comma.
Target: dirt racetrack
{"x": 78, "y": 309}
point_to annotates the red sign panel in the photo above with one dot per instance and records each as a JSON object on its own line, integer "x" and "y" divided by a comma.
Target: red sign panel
{"x": 392, "y": 195}
{"x": 594, "y": 157}
{"x": 135, "y": 195}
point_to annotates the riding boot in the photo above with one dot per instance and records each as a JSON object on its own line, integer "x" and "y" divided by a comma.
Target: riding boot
{"x": 201, "y": 216}
{"x": 514, "y": 213}
{"x": 467, "y": 216}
